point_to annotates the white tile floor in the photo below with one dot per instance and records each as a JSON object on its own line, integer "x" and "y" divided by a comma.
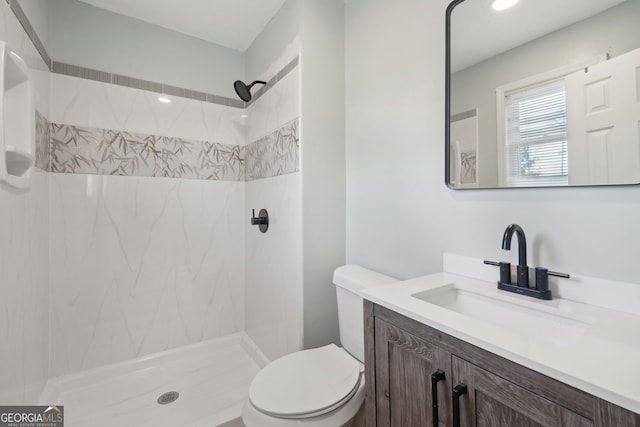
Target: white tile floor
{"x": 212, "y": 378}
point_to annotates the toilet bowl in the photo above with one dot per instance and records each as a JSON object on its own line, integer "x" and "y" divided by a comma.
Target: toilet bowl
{"x": 320, "y": 387}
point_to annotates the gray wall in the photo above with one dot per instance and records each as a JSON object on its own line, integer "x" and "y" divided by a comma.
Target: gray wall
{"x": 38, "y": 12}
{"x": 273, "y": 42}
{"x": 475, "y": 86}
{"x": 400, "y": 215}
{"x": 86, "y": 36}
{"x": 323, "y": 165}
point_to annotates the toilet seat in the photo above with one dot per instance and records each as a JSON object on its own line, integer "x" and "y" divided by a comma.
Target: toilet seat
{"x": 252, "y": 417}
{"x": 306, "y": 384}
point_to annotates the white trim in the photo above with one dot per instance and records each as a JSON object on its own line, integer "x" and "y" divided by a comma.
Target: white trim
{"x": 546, "y": 76}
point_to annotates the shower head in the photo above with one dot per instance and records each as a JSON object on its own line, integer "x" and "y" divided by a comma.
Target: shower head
{"x": 244, "y": 91}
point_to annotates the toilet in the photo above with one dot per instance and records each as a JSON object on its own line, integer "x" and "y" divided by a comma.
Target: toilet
{"x": 320, "y": 387}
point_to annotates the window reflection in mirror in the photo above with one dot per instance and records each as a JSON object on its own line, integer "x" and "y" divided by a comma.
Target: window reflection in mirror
{"x": 544, "y": 93}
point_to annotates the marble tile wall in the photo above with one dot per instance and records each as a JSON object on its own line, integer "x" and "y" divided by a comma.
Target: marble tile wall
{"x": 155, "y": 259}
{"x": 273, "y": 285}
{"x": 92, "y": 134}
{"x": 273, "y": 129}
{"x": 151, "y": 260}
{"x": 275, "y": 108}
{"x": 24, "y": 262}
{"x": 141, "y": 265}
{"x": 24, "y": 285}
{"x": 92, "y": 104}
{"x": 133, "y": 264}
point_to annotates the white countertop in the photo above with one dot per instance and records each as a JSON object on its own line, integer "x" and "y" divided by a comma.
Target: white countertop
{"x": 603, "y": 359}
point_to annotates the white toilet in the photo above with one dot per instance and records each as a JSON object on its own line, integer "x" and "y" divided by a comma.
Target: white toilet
{"x": 322, "y": 386}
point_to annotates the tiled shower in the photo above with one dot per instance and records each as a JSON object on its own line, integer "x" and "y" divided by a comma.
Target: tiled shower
{"x": 150, "y": 207}
{"x": 134, "y": 237}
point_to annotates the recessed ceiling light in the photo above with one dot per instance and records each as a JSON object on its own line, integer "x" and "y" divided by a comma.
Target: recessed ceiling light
{"x": 164, "y": 99}
{"x": 503, "y": 4}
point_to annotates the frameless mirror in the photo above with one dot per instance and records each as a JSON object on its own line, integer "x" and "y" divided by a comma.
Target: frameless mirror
{"x": 542, "y": 93}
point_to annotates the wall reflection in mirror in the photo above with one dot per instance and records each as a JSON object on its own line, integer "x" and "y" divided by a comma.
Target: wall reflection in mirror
{"x": 543, "y": 93}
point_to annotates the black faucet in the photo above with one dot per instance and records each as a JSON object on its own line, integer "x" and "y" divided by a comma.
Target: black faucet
{"x": 541, "y": 290}
{"x": 522, "y": 268}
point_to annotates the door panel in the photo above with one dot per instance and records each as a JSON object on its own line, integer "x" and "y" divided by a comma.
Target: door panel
{"x": 492, "y": 413}
{"x": 603, "y": 122}
{"x": 492, "y": 401}
{"x": 464, "y": 150}
{"x": 404, "y": 365}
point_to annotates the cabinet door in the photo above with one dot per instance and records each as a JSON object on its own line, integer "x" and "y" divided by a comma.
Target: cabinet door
{"x": 404, "y": 368}
{"x": 492, "y": 401}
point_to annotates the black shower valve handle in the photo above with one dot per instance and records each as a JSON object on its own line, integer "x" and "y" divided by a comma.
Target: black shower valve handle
{"x": 258, "y": 220}
{"x": 262, "y": 220}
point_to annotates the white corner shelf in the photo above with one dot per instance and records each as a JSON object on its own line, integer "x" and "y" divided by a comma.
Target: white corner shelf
{"x": 17, "y": 116}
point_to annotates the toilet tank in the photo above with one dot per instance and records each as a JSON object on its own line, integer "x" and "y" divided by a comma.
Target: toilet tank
{"x": 350, "y": 280}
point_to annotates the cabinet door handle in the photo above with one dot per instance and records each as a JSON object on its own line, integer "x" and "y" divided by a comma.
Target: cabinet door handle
{"x": 436, "y": 377}
{"x": 458, "y": 391}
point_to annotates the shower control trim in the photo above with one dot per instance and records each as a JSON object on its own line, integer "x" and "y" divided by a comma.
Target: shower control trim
{"x": 262, "y": 220}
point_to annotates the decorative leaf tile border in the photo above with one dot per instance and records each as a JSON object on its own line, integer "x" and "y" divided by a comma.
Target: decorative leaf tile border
{"x": 84, "y": 150}
{"x": 43, "y": 138}
{"x": 275, "y": 154}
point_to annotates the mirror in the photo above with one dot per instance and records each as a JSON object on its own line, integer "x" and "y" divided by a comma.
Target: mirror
{"x": 544, "y": 93}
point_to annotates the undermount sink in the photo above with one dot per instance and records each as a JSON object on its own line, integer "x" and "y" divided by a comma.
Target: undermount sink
{"x": 529, "y": 319}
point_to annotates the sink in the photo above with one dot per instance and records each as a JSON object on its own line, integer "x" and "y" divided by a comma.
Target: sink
{"x": 527, "y": 318}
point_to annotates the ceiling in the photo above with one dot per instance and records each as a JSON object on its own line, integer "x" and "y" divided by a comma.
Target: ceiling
{"x": 479, "y": 33}
{"x": 231, "y": 23}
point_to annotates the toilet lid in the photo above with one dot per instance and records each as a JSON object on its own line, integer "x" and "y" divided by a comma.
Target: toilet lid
{"x": 305, "y": 383}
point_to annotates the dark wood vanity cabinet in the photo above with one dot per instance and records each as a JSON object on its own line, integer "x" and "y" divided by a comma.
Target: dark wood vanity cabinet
{"x": 406, "y": 362}
{"x": 405, "y": 366}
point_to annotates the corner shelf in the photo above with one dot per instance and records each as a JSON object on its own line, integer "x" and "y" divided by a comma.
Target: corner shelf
{"x": 17, "y": 116}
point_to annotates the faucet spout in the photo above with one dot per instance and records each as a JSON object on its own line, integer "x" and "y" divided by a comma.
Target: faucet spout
{"x": 522, "y": 270}
{"x": 522, "y": 242}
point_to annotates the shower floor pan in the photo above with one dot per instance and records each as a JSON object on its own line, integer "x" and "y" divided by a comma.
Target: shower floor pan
{"x": 212, "y": 379}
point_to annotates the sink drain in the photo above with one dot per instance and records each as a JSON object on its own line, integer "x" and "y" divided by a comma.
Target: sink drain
{"x": 168, "y": 397}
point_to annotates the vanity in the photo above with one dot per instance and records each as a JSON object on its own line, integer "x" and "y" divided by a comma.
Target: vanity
{"x": 450, "y": 349}
{"x": 529, "y": 103}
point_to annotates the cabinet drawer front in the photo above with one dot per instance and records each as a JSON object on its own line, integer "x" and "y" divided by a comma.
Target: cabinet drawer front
{"x": 493, "y": 401}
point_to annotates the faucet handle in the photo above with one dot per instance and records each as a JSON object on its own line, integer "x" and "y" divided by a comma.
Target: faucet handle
{"x": 556, "y": 274}
{"x": 262, "y": 220}
{"x": 542, "y": 278}
{"x": 505, "y": 270}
